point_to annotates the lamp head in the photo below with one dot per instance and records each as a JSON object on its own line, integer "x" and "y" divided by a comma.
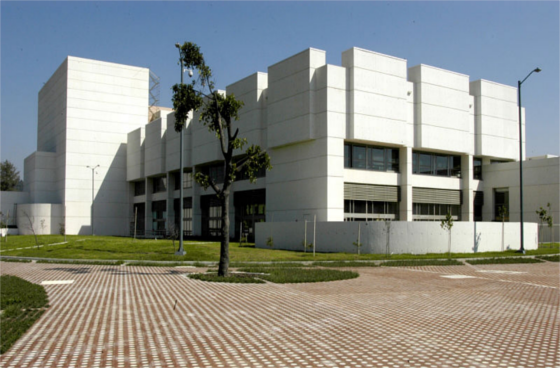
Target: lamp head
{"x": 177, "y": 45}
{"x": 190, "y": 73}
{"x": 538, "y": 70}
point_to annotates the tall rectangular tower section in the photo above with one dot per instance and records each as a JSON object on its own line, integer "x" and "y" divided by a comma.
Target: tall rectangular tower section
{"x": 496, "y": 120}
{"x": 105, "y": 101}
{"x": 442, "y": 110}
{"x": 378, "y": 90}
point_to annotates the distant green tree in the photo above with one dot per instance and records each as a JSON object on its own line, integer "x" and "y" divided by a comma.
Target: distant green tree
{"x": 9, "y": 176}
{"x": 545, "y": 217}
{"x": 218, "y": 112}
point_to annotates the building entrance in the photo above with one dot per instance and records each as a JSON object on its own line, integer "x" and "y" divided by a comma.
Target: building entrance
{"x": 250, "y": 208}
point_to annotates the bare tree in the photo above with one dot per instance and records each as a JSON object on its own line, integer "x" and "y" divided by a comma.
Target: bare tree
{"x": 31, "y": 220}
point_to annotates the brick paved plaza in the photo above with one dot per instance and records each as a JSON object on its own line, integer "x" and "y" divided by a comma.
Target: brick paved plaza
{"x": 455, "y": 316}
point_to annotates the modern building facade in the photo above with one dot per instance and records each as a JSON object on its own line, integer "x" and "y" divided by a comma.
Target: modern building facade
{"x": 369, "y": 139}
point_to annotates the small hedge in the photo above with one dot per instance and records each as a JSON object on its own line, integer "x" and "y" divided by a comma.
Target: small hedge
{"x": 300, "y": 275}
{"x": 232, "y": 278}
{"x": 502, "y": 261}
{"x": 15, "y": 260}
{"x": 554, "y": 258}
{"x": 280, "y": 275}
{"x": 267, "y": 265}
{"x": 22, "y": 303}
{"x": 423, "y": 262}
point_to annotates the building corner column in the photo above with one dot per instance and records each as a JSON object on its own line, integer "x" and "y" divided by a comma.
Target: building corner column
{"x": 467, "y": 207}
{"x": 405, "y": 166}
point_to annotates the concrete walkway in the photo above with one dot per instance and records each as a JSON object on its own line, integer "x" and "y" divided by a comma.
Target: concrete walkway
{"x": 454, "y": 316}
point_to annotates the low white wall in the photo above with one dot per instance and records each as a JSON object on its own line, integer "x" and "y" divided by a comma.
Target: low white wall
{"x": 6, "y": 231}
{"x": 8, "y": 202}
{"x": 402, "y": 236}
{"x": 43, "y": 218}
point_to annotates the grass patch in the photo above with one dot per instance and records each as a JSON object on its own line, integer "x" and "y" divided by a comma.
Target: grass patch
{"x": 502, "y": 261}
{"x": 22, "y": 304}
{"x": 15, "y": 260}
{"x": 119, "y": 248}
{"x": 423, "y": 262}
{"x": 555, "y": 258}
{"x": 267, "y": 265}
{"x": 232, "y": 278}
{"x": 338, "y": 264}
{"x": 285, "y": 275}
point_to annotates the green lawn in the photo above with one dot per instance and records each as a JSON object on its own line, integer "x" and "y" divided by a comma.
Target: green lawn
{"x": 117, "y": 248}
{"x": 22, "y": 303}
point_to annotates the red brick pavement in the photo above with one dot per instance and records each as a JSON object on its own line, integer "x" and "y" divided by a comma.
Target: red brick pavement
{"x": 115, "y": 316}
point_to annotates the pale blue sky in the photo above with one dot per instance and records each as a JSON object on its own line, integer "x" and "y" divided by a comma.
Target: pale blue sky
{"x": 497, "y": 41}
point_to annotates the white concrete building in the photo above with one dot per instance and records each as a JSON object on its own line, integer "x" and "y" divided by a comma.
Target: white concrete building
{"x": 369, "y": 139}
{"x": 86, "y": 110}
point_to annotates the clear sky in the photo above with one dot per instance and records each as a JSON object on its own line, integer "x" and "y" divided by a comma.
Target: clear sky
{"x": 497, "y": 41}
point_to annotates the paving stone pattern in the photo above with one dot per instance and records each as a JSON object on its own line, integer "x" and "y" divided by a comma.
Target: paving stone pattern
{"x": 114, "y": 316}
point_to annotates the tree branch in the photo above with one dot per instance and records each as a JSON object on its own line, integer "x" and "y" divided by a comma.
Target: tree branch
{"x": 247, "y": 158}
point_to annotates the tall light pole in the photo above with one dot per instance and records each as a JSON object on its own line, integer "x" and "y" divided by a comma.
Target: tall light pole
{"x": 181, "y": 251}
{"x": 519, "y": 83}
{"x": 92, "y": 193}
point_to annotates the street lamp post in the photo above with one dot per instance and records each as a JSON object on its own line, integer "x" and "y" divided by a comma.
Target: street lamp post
{"x": 181, "y": 251}
{"x": 519, "y": 83}
{"x": 92, "y": 193}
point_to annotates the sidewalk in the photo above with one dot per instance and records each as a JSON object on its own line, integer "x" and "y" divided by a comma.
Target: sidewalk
{"x": 137, "y": 316}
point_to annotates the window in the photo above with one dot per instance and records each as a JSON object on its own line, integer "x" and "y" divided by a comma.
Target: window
{"x": 159, "y": 216}
{"x": 139, "y": 188}
{"x": 424, "y": 164}
{"x": 187, "y": 215}
{"x": 211, "y": 209}
{"x": 160, "y": 184}
{"x": 442, "y": 165}
{"x": 434, "y": 211}
{"x": 501, "y": 199}
{"x": 215, "y": 172}
{"x": 261, "y": 173}
{"x": 347, "y": 156}
{"x": 376, "y": 158}
{"x": 371, "y": 158}
{"x": 355, "y": 210}
{"x": 187, "y": 180}
{"x": 477, "y": 168}
{"x": 436, "y": 164}
{"x": 478, "y": 203}
{"x": 359, "y": 157}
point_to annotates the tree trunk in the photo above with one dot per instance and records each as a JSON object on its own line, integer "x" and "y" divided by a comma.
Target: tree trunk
{"x": 224, "y": 246}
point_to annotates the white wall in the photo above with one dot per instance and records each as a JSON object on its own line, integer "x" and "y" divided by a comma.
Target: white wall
{"x": 442, "y": 109}
{"x": 9, "y": 202}
{"x": 154, "y": 147}
{"x": 105, "y": 102}
{"x": 378, "y": 97}
{"x": 541, "y": 185}
{"x": 135, "y": 151}
{"x": 404, "y": 237}
{"x": 40, "y": 177}
{"x": 41, "y": 218}
{"x": 291, "y": 98}
{"x": 497, "y": 120}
